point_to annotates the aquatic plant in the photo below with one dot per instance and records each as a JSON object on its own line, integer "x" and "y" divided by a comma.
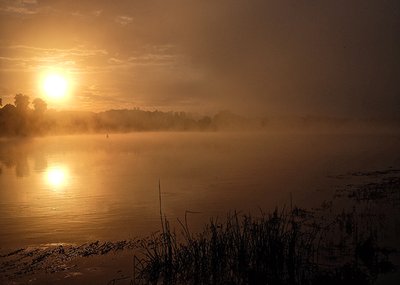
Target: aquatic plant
{"x": 283, "y": 247}
{"x": 289, "y": 245}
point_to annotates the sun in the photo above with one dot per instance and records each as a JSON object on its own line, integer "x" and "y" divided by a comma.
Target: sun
{"x": 55, "y": 86}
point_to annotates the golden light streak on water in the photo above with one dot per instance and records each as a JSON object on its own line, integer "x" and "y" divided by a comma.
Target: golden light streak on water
{"x": 57, "y": 177}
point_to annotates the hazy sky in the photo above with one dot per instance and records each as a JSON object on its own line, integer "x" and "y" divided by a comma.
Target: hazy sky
{"x": 337, "y": 57}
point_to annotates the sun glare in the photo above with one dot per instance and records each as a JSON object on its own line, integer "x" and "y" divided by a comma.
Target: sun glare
{"x": 55, "y": 86}
{"x": 57, "y": 177}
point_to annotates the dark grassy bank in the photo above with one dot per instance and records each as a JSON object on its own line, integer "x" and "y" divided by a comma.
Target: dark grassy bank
{"x": 287, "y": 246}
{"x": 284, "y": 247}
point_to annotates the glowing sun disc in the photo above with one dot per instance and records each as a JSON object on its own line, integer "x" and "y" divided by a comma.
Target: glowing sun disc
{"x": 55, "y": 86}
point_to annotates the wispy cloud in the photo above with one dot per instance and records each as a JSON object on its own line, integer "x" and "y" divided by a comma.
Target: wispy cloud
{"x": 123, "y": 20}
{"x": 81, "y": 59}
{"x": 23, "y": 7}
{"x": 33, "y": 58}
{"x": 29, "y": 1}
{"x": 97, "y": 13}
{"x": 76, "y": 51}
{"x": 19, "y": 10}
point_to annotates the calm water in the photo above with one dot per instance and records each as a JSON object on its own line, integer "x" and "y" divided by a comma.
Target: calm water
{"x": 75, "y": 189}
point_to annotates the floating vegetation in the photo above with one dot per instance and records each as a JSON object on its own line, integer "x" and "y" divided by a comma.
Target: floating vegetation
{"x": 386, "y": 190}
{"x": 53, "y": 258}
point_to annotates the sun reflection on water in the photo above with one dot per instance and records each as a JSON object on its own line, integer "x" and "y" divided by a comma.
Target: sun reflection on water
{"x": 57, "y": 177}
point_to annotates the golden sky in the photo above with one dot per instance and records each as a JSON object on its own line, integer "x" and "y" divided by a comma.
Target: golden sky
{"x": 255, "y": 57}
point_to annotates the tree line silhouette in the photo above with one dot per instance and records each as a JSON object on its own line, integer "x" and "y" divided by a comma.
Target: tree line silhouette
{"x": 21, "y": 119}
{"x": 33, "y": 118}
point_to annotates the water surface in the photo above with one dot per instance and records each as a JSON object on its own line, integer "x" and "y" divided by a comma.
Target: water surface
{"x": 73, "y": 189}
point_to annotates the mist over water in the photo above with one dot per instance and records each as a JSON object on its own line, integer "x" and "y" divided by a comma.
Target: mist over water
{"x": 73, "y": 189}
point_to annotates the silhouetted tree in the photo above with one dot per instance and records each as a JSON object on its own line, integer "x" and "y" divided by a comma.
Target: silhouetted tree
{"x": 21, "y": 102}
{"x": 39, "y": 105}
{"x": 8, "y": 109}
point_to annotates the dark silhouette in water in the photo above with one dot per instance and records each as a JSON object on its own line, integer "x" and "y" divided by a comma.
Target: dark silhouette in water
{"x": 15, "y": 154}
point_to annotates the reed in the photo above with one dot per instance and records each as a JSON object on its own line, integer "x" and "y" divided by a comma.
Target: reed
{"x": 287, "y": 246}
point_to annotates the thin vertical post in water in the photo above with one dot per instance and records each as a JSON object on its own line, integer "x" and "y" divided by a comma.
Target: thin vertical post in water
{"x": 134, "y": 270}
{"x": 159, "y": 198}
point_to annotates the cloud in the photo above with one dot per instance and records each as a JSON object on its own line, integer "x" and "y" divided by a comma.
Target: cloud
{"x": 97, "y": 13}
{"x": 23, "y": 7}
{"x": 80, "y": 51}
{"x": 123, "y": 20}
{"x": 35, "y": 58}
{"x": 19, "y": 10}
